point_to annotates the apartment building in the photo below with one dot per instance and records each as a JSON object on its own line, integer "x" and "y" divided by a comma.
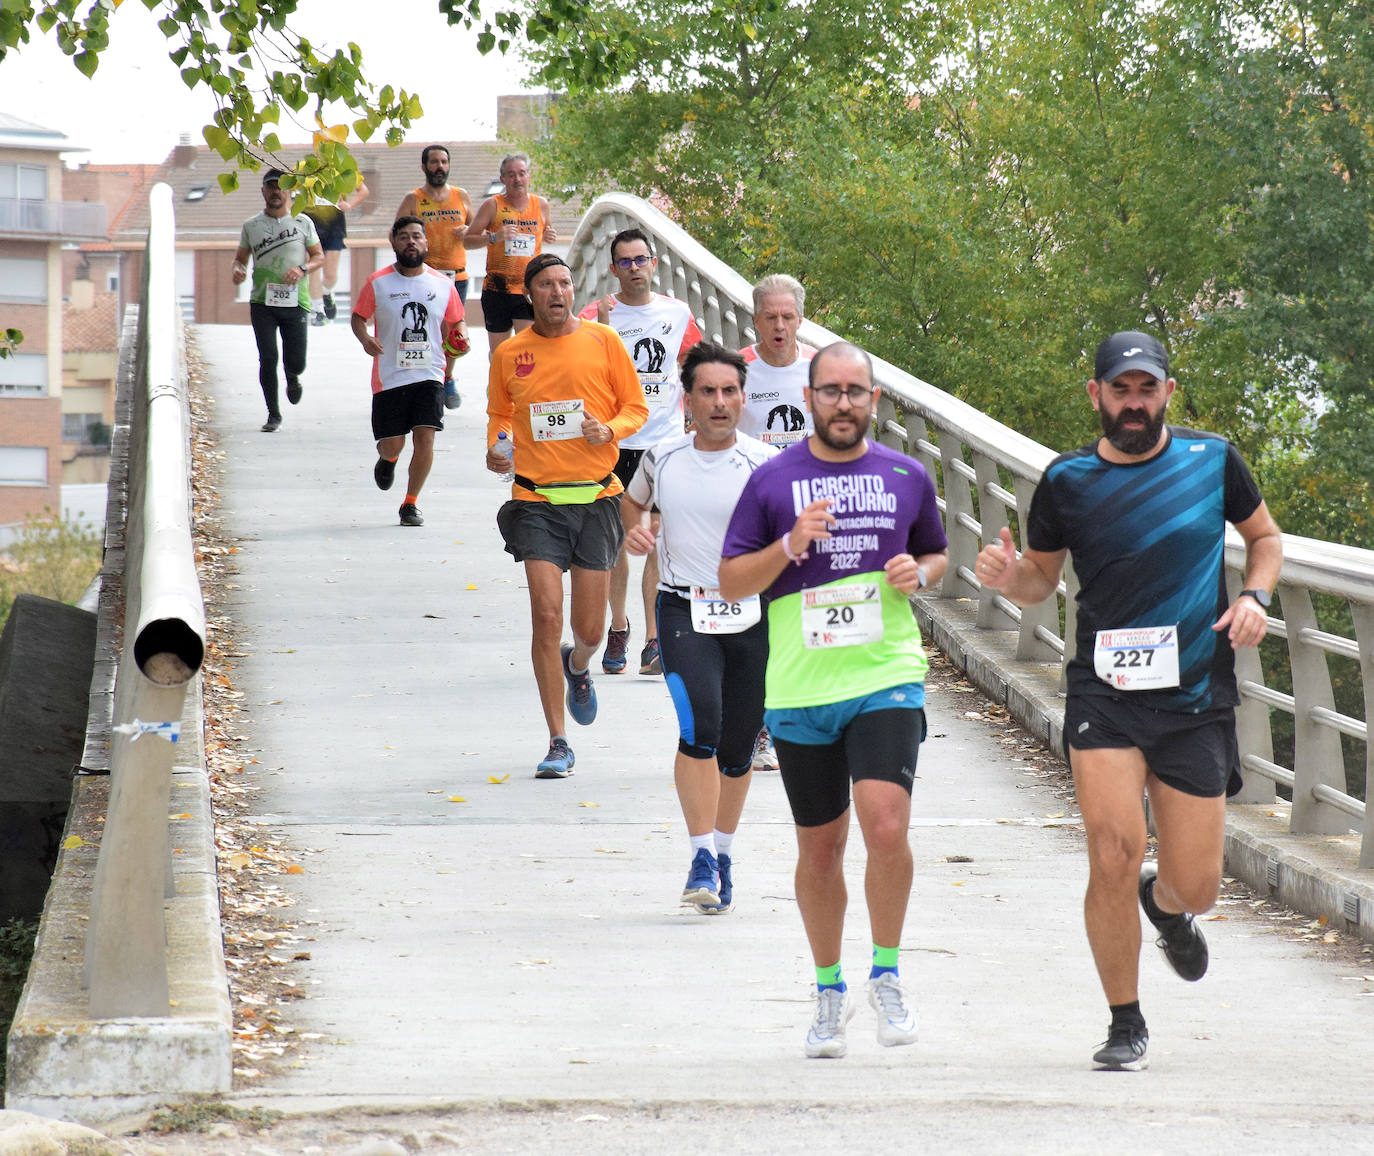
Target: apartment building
{"x": 36, "y": 226}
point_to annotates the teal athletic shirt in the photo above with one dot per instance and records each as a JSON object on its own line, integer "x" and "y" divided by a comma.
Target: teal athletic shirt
{"x": 1147, "y": 541}
{"x": 836, "y": 629}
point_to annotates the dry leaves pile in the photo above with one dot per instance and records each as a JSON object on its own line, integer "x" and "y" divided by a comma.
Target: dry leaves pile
{"x": 260, "y": 944}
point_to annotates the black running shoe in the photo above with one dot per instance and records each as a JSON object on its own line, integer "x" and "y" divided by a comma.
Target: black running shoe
{"x": 1180, "y": 938}
{"x": 384, "y": 473}
{"x": 271, "y": 425}
{"x": 1124, "y": 1050}
{"x": 293, "y": 392}
{"x": 411, "y": 516}
{"x": 330, "y": 309}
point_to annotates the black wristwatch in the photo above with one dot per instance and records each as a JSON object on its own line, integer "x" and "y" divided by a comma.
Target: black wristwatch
{"x": 1260, "y": 596}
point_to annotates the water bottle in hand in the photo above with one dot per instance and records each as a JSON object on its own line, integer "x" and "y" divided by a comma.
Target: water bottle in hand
{"x": 506, "y": 449}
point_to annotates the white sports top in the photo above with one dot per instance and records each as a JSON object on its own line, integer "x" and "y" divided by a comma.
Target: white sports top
{"x": 775, "y": 398}
{"x": 695, "y": 492}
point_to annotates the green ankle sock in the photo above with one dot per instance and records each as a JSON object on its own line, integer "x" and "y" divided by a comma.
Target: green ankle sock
{"x": 829, "y": 977}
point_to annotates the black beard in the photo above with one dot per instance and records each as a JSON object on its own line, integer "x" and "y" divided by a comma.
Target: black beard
{"x": 835, "y": 443}
{"x": 436, "y": 180}
{"x": 407, "y": 262}
{"x": 1140, "y": 441}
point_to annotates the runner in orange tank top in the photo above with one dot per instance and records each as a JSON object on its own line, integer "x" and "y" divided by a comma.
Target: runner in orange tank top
{"x": 446, "y": 211}
{"x": 514, "y": 227}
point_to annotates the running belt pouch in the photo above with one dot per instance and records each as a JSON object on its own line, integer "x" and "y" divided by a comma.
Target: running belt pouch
{"x": 566, "y": 493}
{"x": 496, "y": 283}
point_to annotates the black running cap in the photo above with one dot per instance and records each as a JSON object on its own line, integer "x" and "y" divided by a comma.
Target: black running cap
{"x": 1128, "y": 350}
{"x": 539, "y": 262}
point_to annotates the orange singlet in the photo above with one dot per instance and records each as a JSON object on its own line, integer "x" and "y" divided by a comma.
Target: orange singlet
{"x": 506, "y": 260}
{"x": 445, "y": 222}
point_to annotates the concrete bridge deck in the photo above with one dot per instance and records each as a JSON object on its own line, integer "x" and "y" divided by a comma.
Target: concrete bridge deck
{"x": 475, "y": 941}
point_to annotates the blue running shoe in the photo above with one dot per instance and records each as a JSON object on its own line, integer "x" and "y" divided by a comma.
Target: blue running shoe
{"x": 613, "y": 660}
{"x": 581, "y": 697}
{"x": 701, "y": 889}
{"x": 452, "y": 399}
{"x": 558, "y": 763}
{"x": 726, "y": 890}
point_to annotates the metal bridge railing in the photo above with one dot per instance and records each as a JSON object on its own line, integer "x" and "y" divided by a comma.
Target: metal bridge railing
{"x": 985, "y": 474}
{"x": 163, "y": 646}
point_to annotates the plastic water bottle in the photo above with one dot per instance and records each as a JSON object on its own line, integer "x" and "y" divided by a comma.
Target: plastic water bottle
{"x": 506, "y": 449}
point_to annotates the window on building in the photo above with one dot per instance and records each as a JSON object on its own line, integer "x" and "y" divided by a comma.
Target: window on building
{"x": 24, "y": 279}
{"x": 24, "y": 182}
{"x": 24, "y": 375}
{"x": 23, "y": 466}
{"x": 85, "y": 428}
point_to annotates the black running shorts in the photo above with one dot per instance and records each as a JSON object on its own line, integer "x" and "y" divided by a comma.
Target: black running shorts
{"x": 716, "y": 683}
{"x": 881, "y": 745}
{"x": 500, "y": 311}
{"x": 397, "y": 411}
{"x": 587, "y": 537}
{"x": 1194, "y": 753}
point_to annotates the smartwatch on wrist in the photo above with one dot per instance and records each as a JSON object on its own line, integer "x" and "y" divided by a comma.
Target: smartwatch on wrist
{"x": 1260, "y": 596}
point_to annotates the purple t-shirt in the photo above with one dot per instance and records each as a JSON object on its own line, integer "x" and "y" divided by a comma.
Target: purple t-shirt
{"x": 836, "y": 629}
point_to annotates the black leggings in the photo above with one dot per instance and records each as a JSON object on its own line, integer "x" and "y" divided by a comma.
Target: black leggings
{"x": 267, "y": 320}
{"x": 716, "y": 681}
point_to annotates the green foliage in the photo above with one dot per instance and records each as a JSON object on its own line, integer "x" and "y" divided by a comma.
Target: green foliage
{"x": 51, "y": 557}
{"x": 253, "y": 60}
{"x": 10, "y": 342}
{"x": 980, "y": 191}
{"x": 16, "y": 950}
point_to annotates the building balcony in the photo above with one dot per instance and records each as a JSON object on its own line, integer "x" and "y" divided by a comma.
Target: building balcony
{"x": 52, "y": 220}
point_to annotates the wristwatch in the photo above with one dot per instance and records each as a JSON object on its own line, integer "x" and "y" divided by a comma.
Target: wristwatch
{"x": 1260, "y": 596}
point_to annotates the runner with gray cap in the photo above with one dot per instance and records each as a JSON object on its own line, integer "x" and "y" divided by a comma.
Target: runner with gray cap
{"x": 285, "y": 249}
{"x": 1151, "y": 684}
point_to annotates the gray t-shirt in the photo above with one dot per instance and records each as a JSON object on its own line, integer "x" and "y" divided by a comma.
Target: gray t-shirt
{"x": 278, "y": 244}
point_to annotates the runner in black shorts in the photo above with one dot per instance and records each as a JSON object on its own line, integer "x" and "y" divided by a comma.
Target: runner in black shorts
{"x": 501, "y": 310}
{"x": 332, "y": 226}
{"x": 1151, "y": 684}
{"x": 714, "y": 653}
{"x": 564, "y": 392}
{"x": 626, "y": 465}
{"x": 416, "y": 313}
{"x": 396, "y": 412}
{"x": 846, "y": 671}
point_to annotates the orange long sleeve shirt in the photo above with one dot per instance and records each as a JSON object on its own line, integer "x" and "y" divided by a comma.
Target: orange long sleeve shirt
{"x": 532, "y": 382}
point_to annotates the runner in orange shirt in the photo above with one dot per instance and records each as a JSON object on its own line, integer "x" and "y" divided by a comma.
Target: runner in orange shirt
{"x": 564, "y": 392}
{"x": 515, "y": 227}
{"x": 446, "y": 211}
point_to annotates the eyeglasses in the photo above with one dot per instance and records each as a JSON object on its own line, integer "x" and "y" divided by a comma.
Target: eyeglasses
{"x": 633, "y": 262}
{"x": 831, "y": 394}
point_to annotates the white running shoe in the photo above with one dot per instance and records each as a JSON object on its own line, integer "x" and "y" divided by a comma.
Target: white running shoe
{"x": 765, "y": 757}
{"x": 825, "y": 1040}
{"x": 896, "y": 1024}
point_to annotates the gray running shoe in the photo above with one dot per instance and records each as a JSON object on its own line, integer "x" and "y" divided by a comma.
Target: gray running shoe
{"x": 834, "y": 1010}
{"x": 765, "y": 757}
{"x": 896, "y": 1024}
{"x": 1124, "y": 1050}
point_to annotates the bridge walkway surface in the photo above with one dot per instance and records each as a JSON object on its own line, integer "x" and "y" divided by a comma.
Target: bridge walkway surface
{"x": 480, "y": 938}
